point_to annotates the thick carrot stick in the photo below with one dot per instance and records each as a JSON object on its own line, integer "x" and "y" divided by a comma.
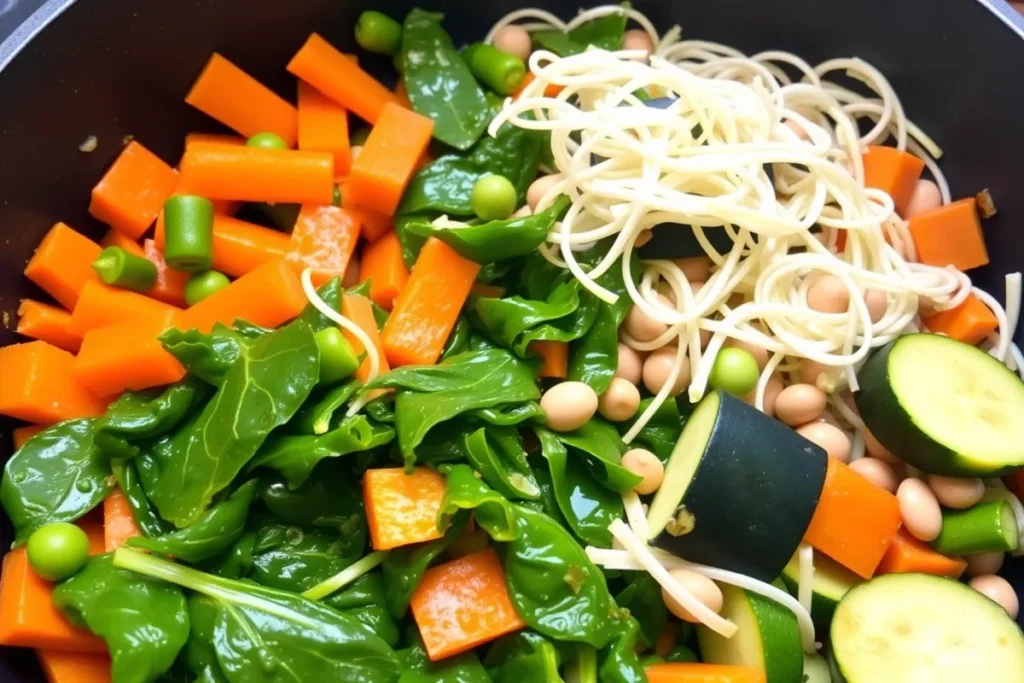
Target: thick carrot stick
{"x": 323, "y": 126}
{"x": 358, "y": 309}
{"x": 239, "y": 101}
{"x": 75, "y": 667}
{"x": 950, "y": 236}
{"x": 62, "y": 264}
{"x": 268, "y": 296}
{"x": 389, "y": 159}
{"x": 374, "y": 223}
{"x": 126, "y": 355}
{"x": 215, "y": 138}
{"x": 37, "y": 384}
{"x": 384, "y": 267}
{"x": 339, "y": 77}
{"x": 907, "y": 554}
{"x": 323, "y": 240}
{"x": 428, "y": 307}
{"x": 23, "y": 434}
{"x": 116, "y": 238}
{"x": 970, "y": 322}
{"x": 101, "y": 305}
{"x": 47, "y": 323}
{"x": 170, "y": 283}
{"x": 257, "y": 175}
{"x": 694, "y": 672}
{"x": 118, "y": 521}
{"x": 133, "y": 191}
{"x": 554, "y": 358}
{"x": 239, "y": 247}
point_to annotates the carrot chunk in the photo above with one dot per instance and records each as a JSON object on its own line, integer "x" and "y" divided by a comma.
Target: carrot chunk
{"x": 693, "y": 672}
{"x": 118, "y": 521}
{"x": 339, "y": 77}
{"x": 428, "y": 307}
{"x": 550, "y": 90}
{"x": 554, "y": 358}
{"x": 950, "y": 235}
{"x": 375, "y": 224}
{"x": 101, "y": 305}
{"x": 23, "y": 434}
{"x": 116, "y": 238}
{"x": 239, "y": 247}
{"x": 893, "y": 171}
{"x": 47, "y": 323}
{"x": 907, "y": 554}
{"x": 267, "y": 296}
{"x": 323, "y": 240}
{"x": 389, "y": 158}
{"x": 170, "y": 283}
{"x": 323, "y": 126}
{"x": 133, "y": 191}
{"x": 62, "y": 264}
{"x": 855, "y": 521}
{"x": 37, "y": 385}
{"x": 970, "y": 322}
{"x": 214, "y": 138}
{"x": 463, "y": 604}
{"x": 384, "y": 267}
{"x": 402, "y": 508}
{"x": 126, "y": 355}
{"x": 236, "y": 99}
{"x": 358, "y": 309}
{"x": 27, "y": 615}
{"x": 75, "y": 667}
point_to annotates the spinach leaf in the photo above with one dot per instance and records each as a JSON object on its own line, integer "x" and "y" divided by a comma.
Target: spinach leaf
{"x": 200, "y": 654}
{"x": 554, "y": 586}
{"x": 458, "y": 340}
{"x": 296, "y": 456}
{"x": 330, "y": 292}
{"x": 58, "y": 476}
{"x": 140, "y": 417}
{"x": 496, "y": 240}
{"x": 295, "y": 558}
{"x": 660, "y": 434}
{"x": 317, "y": 414}
{"x": 212, "y": 534}
{"x": 237, "y": 562}
{"x": 643, "y": 599}
{"x": 464, "y": 668}
{"x": 497, "y": 453}
{"x": 265, "y": 386}
{"x": 603, "y": 32}
{"x": 439, "y": 84}
{"x": 206, "y": 356}
{"x": 127, "y": 477}
{"x": 523, "y": 656}
{"x": 366, "y": 601}
{"x": 144, "y": 621}
{"x": 619, "y": 663}
{"x": 404, "y": 567}
{"x": 411, "y": 242}
{"x": 329, "y": 500}
{"x": 491, "y": 510}
{"x": 427, "y": 396}
{"x": 558, "y": 42}
{"x": 600, "y": 447}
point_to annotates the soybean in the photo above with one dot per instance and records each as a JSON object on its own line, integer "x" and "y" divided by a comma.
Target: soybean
{"x": 620, "y": 400}
{"x": 919, "y": 509}
{"x": 643, "y": 463}
{"x": 568, "y": 405}
{"x": 701, "y": 587}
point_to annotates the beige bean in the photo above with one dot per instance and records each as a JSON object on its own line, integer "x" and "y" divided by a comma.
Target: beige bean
{"x": 919, "y": 509}
{"x": 818, "y": 374}
{"x": 658, "y": 367}
{"x": 759, "y": 353}
{"x": 876, "y": 450}
{"x": 800, "y": 403}
{"x": 877, "y": 303}
{"x": 998, "y": 590}
{"x": 985, "y": 563}
{"x": 631, "y": 365}
{"x": 620, "y": 400}
{"x": 926, "y": 196}
{"x": 514, "y": 40}
{"x": 540, "y": 187}
{"x": 568, "y": 405}
{"x": 700, "y": 586}
{"x": 828, "y": 294}
{"x": 637, "y": 40}
{"x": 643, "y": 463}
{"x": 695, "y": 268}
{"x": 878, "y": 472}
{"x": 831, "y": 438}
{"x": 953, "y": 492}
{"x": 643, "y": 327}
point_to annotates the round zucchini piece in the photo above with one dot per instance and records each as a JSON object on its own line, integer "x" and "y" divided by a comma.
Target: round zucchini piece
{"x": 830, "y": 583}
{"x": 918, "y": 627}
{"x": 739, "y": 490}
{"x": 943, "y": 406}
{"x": 816, "y": 669}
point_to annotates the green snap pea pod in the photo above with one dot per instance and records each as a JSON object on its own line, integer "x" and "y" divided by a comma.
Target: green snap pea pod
{"x": 188, "y": 222}
{"x": 501, "y": 72}
{"x": 984, "y": 528}
{"x": 118, "y": 268}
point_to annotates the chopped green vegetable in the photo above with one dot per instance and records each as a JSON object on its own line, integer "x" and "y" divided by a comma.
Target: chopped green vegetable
{"x": 188, "y": 226}
{"x": 266, "y": 141}
{"x": 118, "y": 268}
{"x": 501, "y": 72}
{"x": 202, "y": 285}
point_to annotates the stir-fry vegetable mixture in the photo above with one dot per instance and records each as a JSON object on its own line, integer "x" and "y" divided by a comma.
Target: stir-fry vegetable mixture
{"x": 389, "y": 386}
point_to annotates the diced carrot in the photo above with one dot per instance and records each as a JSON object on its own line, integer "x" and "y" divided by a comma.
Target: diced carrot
{"x": 133, "y": 191}
{"x": 950, "y": 235}
{"x": 428, "y": 307}
{"x": 375, "y": 224}
{"x": 267, "y": 296}
{"x": 339, "y": 77}
{"x": 487, "y": 291}
{"x": 389, "y": 158}
{"x": 27, "y": 615}
{"x": 1015, "y": 482}
{"x": 238, "y": 246}
{"x": 256, "y": 174}
{"x": 358, "y": 309}
{"x": 126, "y": 355}
{"x": 47, "y": 323}
{"x": 402, "y": 508}
{"x": 892, "y": 171}
{"x": 118, "y": 521}
{"x": 323, "y": 126}
{"x": 384, "y": 267}
{"x": 116, "y": 238}
{"x": 75, "y": 667}
{"x": 970, "y": 322}
{"x": 551, "y": 90}
{"x": 37, "y": 385}
{"x": 101, "y": 305}
{"x": 907, "y": 554}
{"x": 170, "y": 283}
{"x": 694, "y": 672}
{"x": 554, "y": 358}
{"x": 62, "y": 264}
{"x": 23, "y": 434}
{"x": 462, "y": 604}
{"x": 323, "y": 240}
{"x": 215, "y": 138}
{"x": 236, "y": 99}
{"x": 855, "y": 521}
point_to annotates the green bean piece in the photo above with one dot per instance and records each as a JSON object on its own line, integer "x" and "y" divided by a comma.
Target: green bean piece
{"x": 188, "y": 223}
{"x": 379, "y": 33}
{"x": 118, "y": 268}
{"x": 337, "y": 359}
{"x": 202, "y": 285}
{"x": 987, "y": 527}
{"x": 501, "y": 72}
{"x": 266, "y": 141}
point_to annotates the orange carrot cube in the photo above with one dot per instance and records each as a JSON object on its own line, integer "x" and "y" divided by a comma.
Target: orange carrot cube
{"x": 950, "y": 236}
{"x": 402, "y": 508}
{"x": 133, "y": 191}
{"x": 62, "y": 264}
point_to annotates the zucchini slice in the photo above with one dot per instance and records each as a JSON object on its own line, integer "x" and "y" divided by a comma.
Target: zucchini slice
{"x": 739, "y": 490}
{"x": 943, "y": 406}
{"x": 816, "y": 669}
{"x": 768, "y": 638}
{"x": 918, "y": 627}
{"x": 830, "y": 583}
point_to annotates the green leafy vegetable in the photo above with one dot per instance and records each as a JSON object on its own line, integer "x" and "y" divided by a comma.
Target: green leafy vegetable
{"x": 295, "y": 558}
{"x": 558, "y": 42}
{"x": 331, "y": 293}
{"x": 208, "y": 357}
{"x": 523, "y": 656}
{"x": 127, "y": 477}
{"x": 619, "y": 663}
{"x": 490, "y": 509}
{"x": 458, "y": 340}
{"x": 318, "y": 414}
{"x": 139, "y": 417}
{"x": 498, "y": 454}
{"x": 603, "y": 32}
{"x": 329, "y": 500}
{"x": 599, "y": 446}
{"x": 366, "y": 600}
{"x": 662, "y": 432}
{"x": 464, "y": 668}
{"x": 236, "y": 562}
{"x": 642, "y": 597}
{"x": 404, "y": 567}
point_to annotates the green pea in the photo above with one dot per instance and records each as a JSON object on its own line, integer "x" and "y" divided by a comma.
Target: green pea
{"x": 377, "y": 32}
{"x": 337, "y": 358}
{"x": 57, "y": 550}
{"x": 735, "y": 371}
{"x": 266, "y": 141}
{"x": 493, "y": 198}
{"x": 202, "y": 285}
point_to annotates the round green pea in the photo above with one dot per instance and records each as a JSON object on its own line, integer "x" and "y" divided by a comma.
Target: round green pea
{"x": 266, "y": 141}
{"x": 202, "y": 285}
{"x": 377, "y": 32}
{"x": 735, "y": 371}
{"x": 57, "y": 550}
{"x": 493, "y": 198}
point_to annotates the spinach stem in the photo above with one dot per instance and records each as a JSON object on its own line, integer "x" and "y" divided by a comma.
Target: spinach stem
{"x": 344, "y": 577}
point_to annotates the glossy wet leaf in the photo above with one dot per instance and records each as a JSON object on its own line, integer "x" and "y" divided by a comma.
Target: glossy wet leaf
{"x": 403, "y": 567}
{"x": 464, "y": 491}
{"x": 497, "y": 454}
{"x": 207, "y": 356}
{"x": 136, "y": 418}
{"x": 642, "y": 597}
{"x": 464, "y": 668}
{"x": 237, "y": 561}
{"x": 323, "y": 409}
{"x": 598, "y": 445}
{"x": 603, "y": 32}
{"x": 619, "y": 662}
{"x": 330, "y": 292}
{"x": 661, "y": 432}
{"x": 523, "y": 656}
{"x": 458, "y": 340}
{"x": 330, "y": 499}
{"x": 295, "y": 558}
{"x": 146, "y": 518}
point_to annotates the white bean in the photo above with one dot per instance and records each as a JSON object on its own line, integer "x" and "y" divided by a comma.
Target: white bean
{"x": 568, "y": 405}
{"x": 631, "y": 365}
{"x": 800, "y": 403}
{"x": 877, "y": 303}
{"x": 695, "y": 268}
{"x": 926, "y": 196}
{"x": 878, "y": 472}
{"x": 540, "y": 187}
{"x": 637, "y": 40}
{"x": 643, "y": 327}
{"x": 620, "y": 400}
{"x": 643, "y": 463}
{"x": 702, "y": 588}
{"x": 998, "y": 590}
{"x": 828, "y": 294}
{"x": 831, "y": 438}
{"x": 919, "y": 509}
{"x": 514, "y": 40}
{"x": 985, "y": 563}
{"x": 953, "y": 492}
{"x": 658, "y": 367}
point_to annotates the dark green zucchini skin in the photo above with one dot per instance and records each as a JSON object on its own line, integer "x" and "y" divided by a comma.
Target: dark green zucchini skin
{"x": 752, "y": 496}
